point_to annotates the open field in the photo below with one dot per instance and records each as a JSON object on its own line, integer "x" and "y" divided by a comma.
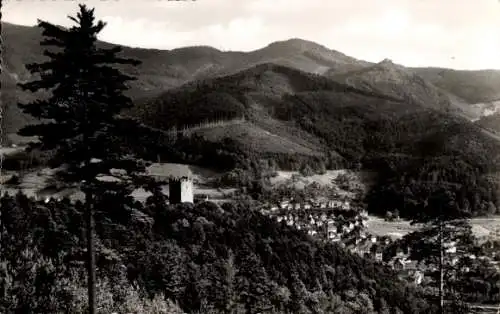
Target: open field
{"x": 326, "y": 179}
{"x": 33, "y": 181}
{"x": 361, "y": 180}
{"x": 257, "y": 139}
{"x": 482, "y": 227}
{"x": 8, "y": 150}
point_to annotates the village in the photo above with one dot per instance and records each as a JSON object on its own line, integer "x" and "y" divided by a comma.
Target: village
{"x": 338, "y": 221}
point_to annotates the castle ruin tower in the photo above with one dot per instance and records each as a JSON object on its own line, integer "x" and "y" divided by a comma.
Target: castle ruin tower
{"x": 181, "y": 190}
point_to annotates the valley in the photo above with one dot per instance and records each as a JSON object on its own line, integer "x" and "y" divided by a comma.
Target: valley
{"x": 289, "y": 175}
{"x": 205, "y": 188}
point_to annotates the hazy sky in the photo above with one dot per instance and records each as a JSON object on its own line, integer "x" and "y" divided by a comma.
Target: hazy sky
{"x": 462, "y": 34}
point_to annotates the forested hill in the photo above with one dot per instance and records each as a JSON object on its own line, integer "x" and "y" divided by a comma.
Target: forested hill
{"x": 205, "y": 258}
{"x": 297, "y": 119}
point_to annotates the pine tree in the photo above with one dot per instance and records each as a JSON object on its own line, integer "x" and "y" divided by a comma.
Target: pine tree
{"x": 446, "y": 234}
{"x": 80, "y": 121}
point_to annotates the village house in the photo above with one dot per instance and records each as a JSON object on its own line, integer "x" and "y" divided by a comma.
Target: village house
{"x": 332, "y": 235}
{"x": 350, "y": 226}
{"x": 336, "y": 204}
{"x": 411, "y": 271}
{"x": 265, "y": 212}
{"x": 398, "y": 263}
{"x": 324, "y": 217}
{"x": 312, "y": 232}
{"x": 417, "y": 276}
{"x": 363, "y": 248}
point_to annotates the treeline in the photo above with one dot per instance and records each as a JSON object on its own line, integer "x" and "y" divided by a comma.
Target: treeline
{"x": 482, "y": 283}
{"x": 464, "y": 162}
{"x": 405, "y": 186}
{"x": 203, "y": 258}
{"x": 227, "y": 154}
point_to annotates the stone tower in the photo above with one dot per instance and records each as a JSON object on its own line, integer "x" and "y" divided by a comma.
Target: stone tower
{"x": 181, "y": 190}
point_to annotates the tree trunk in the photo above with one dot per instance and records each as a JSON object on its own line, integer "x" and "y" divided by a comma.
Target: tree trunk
{"x": 89, "y": 206}
{"x": 90, "y": 253}
{"x": 1, "y": 120}
{"x": 1, "y": 103}
{"x": 441, "y": 269}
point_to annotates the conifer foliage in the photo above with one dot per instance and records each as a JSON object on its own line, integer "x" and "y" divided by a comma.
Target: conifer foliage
{"x": 80, "y": 121}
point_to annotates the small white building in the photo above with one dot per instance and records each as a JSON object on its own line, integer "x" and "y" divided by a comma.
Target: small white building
{"x": 336, "y": 204}
{"x": 312, "y": 232}
{"x": 418, "y": 277}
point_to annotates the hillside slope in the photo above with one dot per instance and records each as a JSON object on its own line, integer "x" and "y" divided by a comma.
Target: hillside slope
{"x": 472, "y": 86}
{"x": 355, "y": 122}
{"x": 394, "y": 80}
{"x": 490, "y": 122}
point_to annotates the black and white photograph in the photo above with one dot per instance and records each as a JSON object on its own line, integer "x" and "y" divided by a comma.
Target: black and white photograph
{"x": 249, "y": 156}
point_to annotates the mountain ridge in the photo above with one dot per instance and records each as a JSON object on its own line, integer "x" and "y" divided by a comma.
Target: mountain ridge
{"x": 163, "y": 70}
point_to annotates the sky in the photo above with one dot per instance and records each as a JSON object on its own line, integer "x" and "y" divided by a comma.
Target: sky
{"x": 460, "y": 34}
